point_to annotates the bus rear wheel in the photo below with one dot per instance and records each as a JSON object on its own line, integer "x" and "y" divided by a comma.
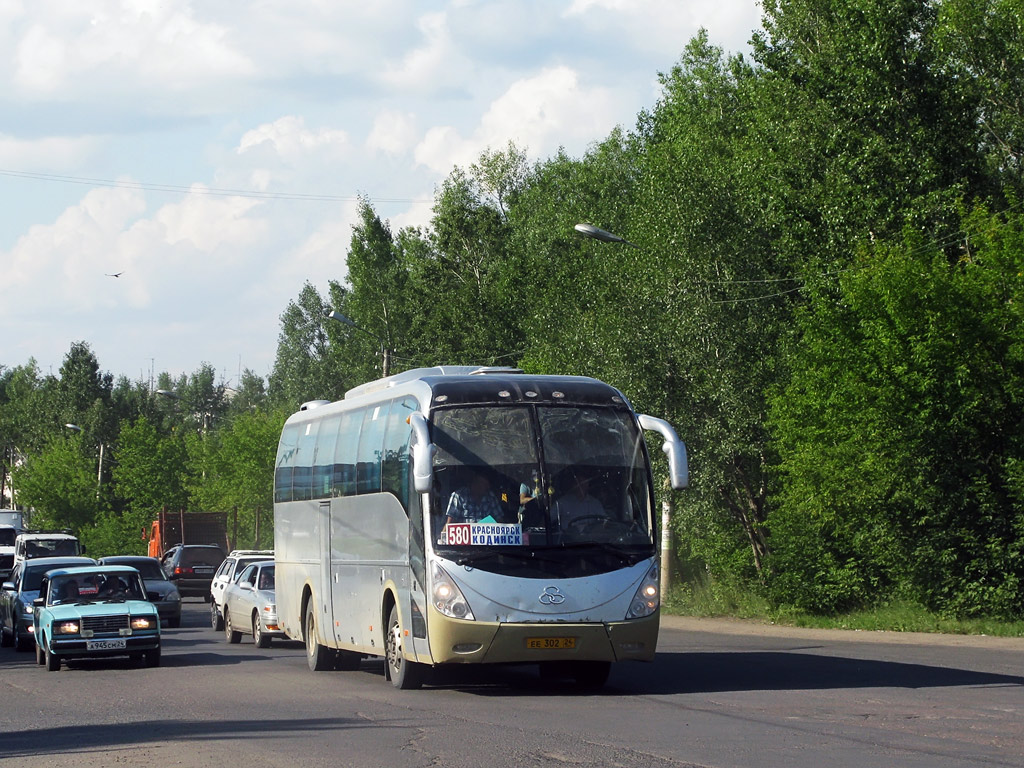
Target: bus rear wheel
{"x": 318, "y": 657}
{"x": 404, "y": 674}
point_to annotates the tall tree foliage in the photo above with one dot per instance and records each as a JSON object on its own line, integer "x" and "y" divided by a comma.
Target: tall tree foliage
{"x": 900, "y": 433}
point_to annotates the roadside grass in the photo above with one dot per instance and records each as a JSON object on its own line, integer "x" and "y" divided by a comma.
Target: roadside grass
{"x": 734, "y": 601}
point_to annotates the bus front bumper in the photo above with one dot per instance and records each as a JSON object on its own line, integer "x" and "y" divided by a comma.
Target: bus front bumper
{"x": 455, "y": 641}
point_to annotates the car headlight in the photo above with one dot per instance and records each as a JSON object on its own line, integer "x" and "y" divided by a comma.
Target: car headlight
{"x": 143, "y": 622}
{"x": 173, "y": 596}
{"x": 447, "y": 596}
{"x": 647, "y": 597}
{"x": 68, "y": 627}
{"x": 27, "y": 609}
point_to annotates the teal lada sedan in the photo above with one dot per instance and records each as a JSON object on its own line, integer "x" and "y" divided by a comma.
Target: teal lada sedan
{"x": 95, "y": 611}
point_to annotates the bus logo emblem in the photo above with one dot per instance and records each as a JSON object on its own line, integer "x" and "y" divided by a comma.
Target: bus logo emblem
{"x": 551, "y": 596}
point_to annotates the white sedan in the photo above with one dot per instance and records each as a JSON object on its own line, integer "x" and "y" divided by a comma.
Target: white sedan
{"x": 249, "y": 605}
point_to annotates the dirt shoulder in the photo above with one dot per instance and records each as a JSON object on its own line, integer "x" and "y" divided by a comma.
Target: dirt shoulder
{"x": 759, "y": 628}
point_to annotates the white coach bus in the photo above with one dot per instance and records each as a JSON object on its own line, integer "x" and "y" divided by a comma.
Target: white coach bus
{"x": 460, "y": 515}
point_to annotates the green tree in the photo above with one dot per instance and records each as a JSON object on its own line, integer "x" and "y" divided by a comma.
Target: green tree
{"x": 899, "y": 452}
{"x": 237, "y": 472}
{"x": 59, "y": 485}
{"x": 304, "y": 369}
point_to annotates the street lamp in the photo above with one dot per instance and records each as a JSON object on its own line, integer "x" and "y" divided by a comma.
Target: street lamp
{"x": 596, "y": 233}
{"x": 603, "y": 235}
{"x": 99, "y": 468}
{"x": 384, "y": 351}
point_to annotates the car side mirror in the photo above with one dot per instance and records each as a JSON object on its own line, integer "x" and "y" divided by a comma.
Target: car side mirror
{"x": 673, "y": 447}
{"x": 39, "y": 602}
{"x": 422, "y": 454}
{"x": 8, "y": 586}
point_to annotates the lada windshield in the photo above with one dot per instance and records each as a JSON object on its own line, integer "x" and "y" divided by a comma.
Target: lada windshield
{"x": 540, "y": 477}
{"x": 95, "y": 587}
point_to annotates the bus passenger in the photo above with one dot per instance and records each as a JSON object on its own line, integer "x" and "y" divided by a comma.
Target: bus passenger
{"x": 472, "y": 503}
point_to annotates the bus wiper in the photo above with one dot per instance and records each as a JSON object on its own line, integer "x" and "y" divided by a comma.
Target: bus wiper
{"x": 630, "y": 556}
{"x": 523, "y": 553}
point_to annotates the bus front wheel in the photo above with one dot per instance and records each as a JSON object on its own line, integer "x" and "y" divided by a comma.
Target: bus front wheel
{"x": 318, "y": 657}
{"x": 404, "y": 674}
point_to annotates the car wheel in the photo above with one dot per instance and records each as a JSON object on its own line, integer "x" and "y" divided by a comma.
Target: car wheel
{"x": 404, "y": 674}
{"x": 21, "y": 642}
{"x": 174, "y": 623}
{"x": 259, "y": 637}
{"x": 232, "y": 636}
{"x": 52, "y": 661}
{"x": 6, "y": 640}
{"x": 152, "y": 657}
{"x": 216, "y": 620}
{"x": 318, "y": 657}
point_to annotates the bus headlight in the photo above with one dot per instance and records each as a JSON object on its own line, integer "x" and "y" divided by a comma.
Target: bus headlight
{"x": 447, "y": 596}
{"x": 647, "y": 597}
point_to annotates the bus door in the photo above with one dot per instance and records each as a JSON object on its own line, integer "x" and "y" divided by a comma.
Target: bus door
{"x": 326, "y": 598}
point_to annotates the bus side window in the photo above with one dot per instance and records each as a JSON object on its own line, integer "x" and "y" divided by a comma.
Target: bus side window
{"x": 285, "y": 463}
{"x": 395, "y": 468}
{"x": 302, "y": 474}
{"x": 323, "y": 466}
{"x": 371, "y": 446}
{"x": 344, "y": 481}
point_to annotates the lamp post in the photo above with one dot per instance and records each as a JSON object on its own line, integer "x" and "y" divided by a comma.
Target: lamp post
{"x": 99, "y": 467}
{"x": 604, "y": 236}
{"x": 385, "y": 353}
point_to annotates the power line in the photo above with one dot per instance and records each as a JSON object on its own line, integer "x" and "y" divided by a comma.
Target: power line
{"x": 208, "y": 191}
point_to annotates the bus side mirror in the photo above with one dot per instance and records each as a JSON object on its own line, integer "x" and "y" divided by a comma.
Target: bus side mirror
{"x": 422, "y": 454}
{"x": 673, "y": 448}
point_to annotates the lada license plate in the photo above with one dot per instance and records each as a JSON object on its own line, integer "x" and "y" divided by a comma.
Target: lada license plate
{"x": 552, "y": 643}
{"x": 200, "y": 570}
{"x": 105, "y": 645}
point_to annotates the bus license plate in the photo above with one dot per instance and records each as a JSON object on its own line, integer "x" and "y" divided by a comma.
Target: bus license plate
{"x": 105, "y": 645}
{"x": 551, "y": 643}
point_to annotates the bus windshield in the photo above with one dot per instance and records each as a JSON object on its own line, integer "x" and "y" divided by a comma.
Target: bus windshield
{"x": 540, "y": 477}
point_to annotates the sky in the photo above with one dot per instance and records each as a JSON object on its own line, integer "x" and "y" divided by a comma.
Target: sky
{"x": 211, "y": 153}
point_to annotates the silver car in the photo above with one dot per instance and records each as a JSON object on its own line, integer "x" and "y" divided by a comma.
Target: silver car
{"x": 249, "y": 605}
{"x": 232, "y": 566}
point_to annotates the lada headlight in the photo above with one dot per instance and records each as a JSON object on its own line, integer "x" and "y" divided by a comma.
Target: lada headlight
{"x": 173, "y": 596}
{"x": 647, "y": 597}
{"x": 447, "y": 596}
{"x": 68, "y": 627}
{"x": 27, "y": 608}
{"x": 143, "y": 622}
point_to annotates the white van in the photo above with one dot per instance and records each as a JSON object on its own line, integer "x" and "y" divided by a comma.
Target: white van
{"x": 28, "y": 546}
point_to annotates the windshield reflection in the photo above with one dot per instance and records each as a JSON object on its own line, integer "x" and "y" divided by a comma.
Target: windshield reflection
{"x": 539, "y": 477}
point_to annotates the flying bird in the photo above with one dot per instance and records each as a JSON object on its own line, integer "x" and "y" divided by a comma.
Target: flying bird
{"x": 116, "y": 274}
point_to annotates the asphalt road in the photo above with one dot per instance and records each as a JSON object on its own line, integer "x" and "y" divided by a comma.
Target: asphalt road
{"x": 719, "y": 694}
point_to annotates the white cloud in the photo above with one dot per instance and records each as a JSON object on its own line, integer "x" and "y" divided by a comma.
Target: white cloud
{"x": 290, "y": 139}
{"x": 49, "y": 152}
{"x": 393, "y": 133}
{"x": 437, "y": 61}
{"x": 542, "y": 112}
{"x": 144, "y": 44}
